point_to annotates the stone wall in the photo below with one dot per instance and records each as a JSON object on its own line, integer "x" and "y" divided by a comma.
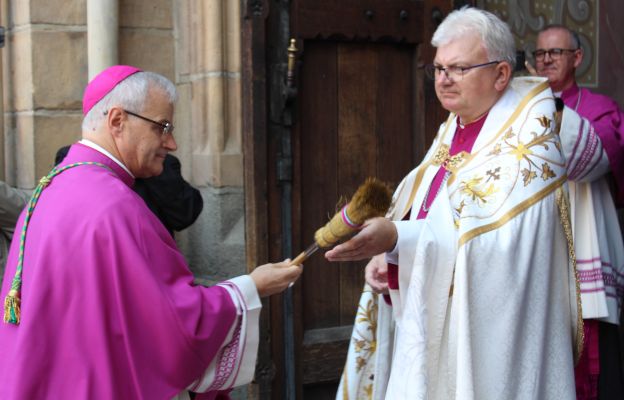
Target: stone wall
{"x": 44, "y": 71}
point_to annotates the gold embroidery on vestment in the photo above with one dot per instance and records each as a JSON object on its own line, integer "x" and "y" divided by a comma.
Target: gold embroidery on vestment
{"x": 544, "y": 121}
{"x": 363, "y": 347}
{"x": 466, "y": 237}
{"x": 493, "y": 174}
{"x": 528, "y": 176}
{"x": 496, "y": 150}
{"x": 531, "y": 163}
{"x": 472, "y": 188}
{"x": 444, "y": 159}
{"x": 547, "y": 173}
{"x": 564, "y": 213}
{"x": 421, "y": 171}
{"x": 519, "y": 108}
{"x": 521, "y": 151}
{"x": 505, "y": 129}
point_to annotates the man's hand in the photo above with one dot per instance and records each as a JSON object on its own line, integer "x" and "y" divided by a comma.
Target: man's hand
{"x": 376, "y": 273}
{"x": 274, "y": 278}
{"x": 379, "y": 235}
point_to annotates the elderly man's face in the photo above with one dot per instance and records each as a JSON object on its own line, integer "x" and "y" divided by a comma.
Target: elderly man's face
{"x": 144, "y": 146}
{"x": 560, "y": 69}
{"x": 472, "y": 94}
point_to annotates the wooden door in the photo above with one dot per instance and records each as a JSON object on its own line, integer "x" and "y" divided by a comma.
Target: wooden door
{"x": 355, "y": 120}
{"x": 361, "y": 107}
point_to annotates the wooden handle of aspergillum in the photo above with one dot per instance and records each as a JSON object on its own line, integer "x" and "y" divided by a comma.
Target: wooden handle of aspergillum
{"x": 305, "y": 254}
{"x": 299, "y": 259}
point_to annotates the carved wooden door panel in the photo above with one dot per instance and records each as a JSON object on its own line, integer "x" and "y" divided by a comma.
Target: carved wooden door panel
{"x": 359, "y": 121}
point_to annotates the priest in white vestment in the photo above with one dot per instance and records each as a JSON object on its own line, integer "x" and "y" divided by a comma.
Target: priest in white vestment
{"x": 479, "y": 260}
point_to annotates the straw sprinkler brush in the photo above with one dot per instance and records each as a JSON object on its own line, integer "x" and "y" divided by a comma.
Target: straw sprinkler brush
{"x": 372, "y": 199}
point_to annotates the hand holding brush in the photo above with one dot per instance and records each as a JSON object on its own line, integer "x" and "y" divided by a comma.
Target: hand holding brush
{"x": 372, "y": 199}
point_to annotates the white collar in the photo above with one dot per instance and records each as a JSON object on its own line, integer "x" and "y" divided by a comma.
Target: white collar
{"x": 102, "y": 150}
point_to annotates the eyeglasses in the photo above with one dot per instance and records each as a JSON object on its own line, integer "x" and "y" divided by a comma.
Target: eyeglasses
{"x": 167, "y": 127}
{"x": 453, "y": 72}
{"x": 554, "y": 54}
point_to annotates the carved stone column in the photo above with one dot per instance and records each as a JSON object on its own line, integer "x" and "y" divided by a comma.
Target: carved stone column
{"x": 208, "y": 129}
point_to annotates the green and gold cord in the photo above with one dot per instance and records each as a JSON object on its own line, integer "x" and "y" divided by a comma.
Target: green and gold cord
{"x": 12, "y": 313}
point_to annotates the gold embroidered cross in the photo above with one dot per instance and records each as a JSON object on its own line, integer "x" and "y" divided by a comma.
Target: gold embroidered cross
{"x": 493, "y": 174}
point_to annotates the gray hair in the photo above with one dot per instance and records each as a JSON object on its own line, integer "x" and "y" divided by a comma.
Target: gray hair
{"x": 575, "y": 40}
{"x": 495, "y": 34}
{"x": 130, "y": 94}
